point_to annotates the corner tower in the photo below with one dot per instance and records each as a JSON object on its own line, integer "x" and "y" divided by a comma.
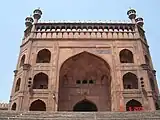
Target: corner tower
{"x": 84, "y": 66}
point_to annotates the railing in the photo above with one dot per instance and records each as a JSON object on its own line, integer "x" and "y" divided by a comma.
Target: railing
{"x": 4, "y": 106}
{"x": 85, "y": 27}
{"x": 87, "y": 35}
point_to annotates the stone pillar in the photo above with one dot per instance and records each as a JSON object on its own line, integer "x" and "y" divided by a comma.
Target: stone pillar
{"x": 151, "y": 104}
{"x": 25, "y": 100}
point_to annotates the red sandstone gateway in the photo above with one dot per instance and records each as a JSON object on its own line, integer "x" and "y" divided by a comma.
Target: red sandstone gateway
{"x": 84, "y": 66}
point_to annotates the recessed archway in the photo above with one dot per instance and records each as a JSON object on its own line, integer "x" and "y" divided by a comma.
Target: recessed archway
{"x": 126, "y": 56}
{"x": 130, "y": 81}
{"x": 18, "y": 83}
{"x": 38, "y": 105}
{"x": 43, "y": 56}
{"x": 22, "y": 61}
{"x": 133, "y": 105}
{"x": 14, "y": 106}
{"x": 84, "y": 67}
{"x": 85, "y": 106}
{"x": 40, "y": 81}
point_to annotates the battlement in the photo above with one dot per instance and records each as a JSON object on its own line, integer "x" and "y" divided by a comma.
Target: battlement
{"x": 102, "y": 26}
{"x": 85, "y": 21}
{"x": 84, "y": 30}
{"x": 4, "y": 106}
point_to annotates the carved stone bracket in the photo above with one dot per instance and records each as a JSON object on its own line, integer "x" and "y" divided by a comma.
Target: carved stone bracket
{"x": 15, "y": 72}
{"x": 145, "y": 67}
{"x": 26, "y": 66}
{"x": 154, "y": 72}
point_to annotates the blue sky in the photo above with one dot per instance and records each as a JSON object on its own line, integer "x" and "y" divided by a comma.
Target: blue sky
{"x": 13, "y": 13}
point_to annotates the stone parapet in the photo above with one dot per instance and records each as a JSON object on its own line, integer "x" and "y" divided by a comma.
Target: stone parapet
{"x": 4, "y": 106}
{"x": 10, "y": 115}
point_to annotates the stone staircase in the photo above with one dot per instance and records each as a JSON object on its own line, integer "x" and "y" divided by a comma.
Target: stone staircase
{"x": 12, "y": 115}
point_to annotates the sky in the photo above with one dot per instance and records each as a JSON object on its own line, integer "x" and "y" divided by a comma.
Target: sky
{"x": 14, "y": 12}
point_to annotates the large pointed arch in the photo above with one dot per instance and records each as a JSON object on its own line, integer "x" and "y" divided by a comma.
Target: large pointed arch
{"x": 84, "y": 66}
{"x": 74, "y": 57}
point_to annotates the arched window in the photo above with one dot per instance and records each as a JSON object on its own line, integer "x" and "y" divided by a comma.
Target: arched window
{"x": 40, "y": 81}
{"x": 126, "y": 56}
{"x": 22, "y": 61}
{"x": 130, "y": 81}
{"x": 14, "y": 106}
{"x": 43, "y": 56}
{"x": 18, "y": 83}
{"x": 152, "y": 84}
{"x": 38, "y": 105}
{"x": 146, "y": 59}
{"x": 84, "y": 82}
{"x": 91, "y": 81}
{"x": 78, "y": 81}
{"x": 133, "y": 105}
{"x": 157, "y": 106}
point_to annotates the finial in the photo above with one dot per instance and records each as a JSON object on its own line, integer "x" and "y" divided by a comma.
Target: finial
{"x": 28, "y": 21}
{"x": 37, "y": 13}
{"x": 131, "y": 14}
{"x": 140, "y": 21}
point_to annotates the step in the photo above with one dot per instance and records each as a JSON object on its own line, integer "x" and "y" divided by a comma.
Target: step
{"x": 12, "y": 115}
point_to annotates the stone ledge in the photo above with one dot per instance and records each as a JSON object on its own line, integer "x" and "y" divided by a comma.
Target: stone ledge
{"x": 37, "y": 115}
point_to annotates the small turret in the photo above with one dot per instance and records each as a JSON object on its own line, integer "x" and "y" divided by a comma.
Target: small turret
{"x": 28, "y": 21}
{"x": 132, "y": 15}
{"x": 140, "y": 21}
{"x": 37, "y": 13}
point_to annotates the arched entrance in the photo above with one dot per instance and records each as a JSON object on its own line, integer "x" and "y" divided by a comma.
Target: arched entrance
{"x": 38, "y": 105}
{"x": 84, "y": 76}
{"x": 14, "y": 106}
{"x": 85, "y": 105}
{"x": 133, "y": 105}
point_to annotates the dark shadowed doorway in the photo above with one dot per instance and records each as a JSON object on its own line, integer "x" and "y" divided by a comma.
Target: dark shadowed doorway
{"x": 85, "y": 106}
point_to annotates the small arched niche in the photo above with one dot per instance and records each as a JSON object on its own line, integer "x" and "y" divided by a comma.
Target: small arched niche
{"x": 40, "y": 81}
{"x": 130, "y": 81}
{"x": 14, "y": 106}
{"x": 43, "y": 56}
{"x": 18, "y": 83}
{"x": 22, "y": 61}
{"x": 126, "y": 56}
{"x": 133, "y": 105}
{"x": 38, "y": 105}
